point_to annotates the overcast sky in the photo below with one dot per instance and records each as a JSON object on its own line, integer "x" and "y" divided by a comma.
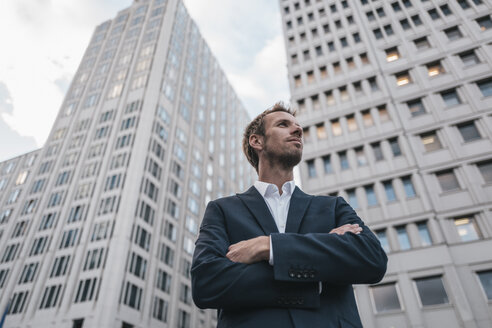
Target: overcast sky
{"x": 43, "y": 42}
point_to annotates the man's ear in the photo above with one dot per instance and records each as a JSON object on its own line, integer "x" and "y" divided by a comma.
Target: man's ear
{"x": 256, "y": 141}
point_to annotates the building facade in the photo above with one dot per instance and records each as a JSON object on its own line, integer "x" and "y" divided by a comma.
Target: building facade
{"x": 97, "y": 228}
{"x": 395, "y": 99}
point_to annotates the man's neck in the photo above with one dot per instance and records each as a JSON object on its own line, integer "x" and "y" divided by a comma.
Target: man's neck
{"x": 276, "y": 176}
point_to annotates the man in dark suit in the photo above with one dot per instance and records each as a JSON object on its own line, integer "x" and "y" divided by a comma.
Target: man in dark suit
{"x": 275, "y": 256}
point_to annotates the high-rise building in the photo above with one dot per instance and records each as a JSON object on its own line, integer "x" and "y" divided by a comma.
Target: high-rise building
{"x": 395, "y": 99}
{"x": 97, "y": 228}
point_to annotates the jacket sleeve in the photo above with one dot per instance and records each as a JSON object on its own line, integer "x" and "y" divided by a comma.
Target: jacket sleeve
{"x": 331, "y": 258}
{"x": 220, "y": 283}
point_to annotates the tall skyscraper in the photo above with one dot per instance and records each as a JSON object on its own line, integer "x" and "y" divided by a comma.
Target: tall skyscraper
{"x": 97, "y": 228}
{"x": 395, "y": 99}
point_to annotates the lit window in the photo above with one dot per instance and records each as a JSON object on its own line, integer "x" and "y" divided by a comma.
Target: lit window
{"x": 351, "y": 123}
{"x": 450, "y": 97}
{"x": 310, "y": 77}
{"x": 467, "y": 229}
{"x": 453, "y": 33}
{"x": 21, "y": 178}
{"x": 323, "y": 73}
{"x": 392, "y": 54}
{"x": 416, "y": 107}
{"x": 485, "y": 23}
{"x": 367, "y": 118}
{"x": 383, "y": 239}
{"x": 315, "y": 102}
{"x": 425, "y": 237}
{"x": 469, "y": 58}
{"x": 469, "y": 131}
{"x": 306, "y": 135}
{"x": 434, "y": 69}
{"x": 431, "y": 291}
{"x": 297, "y": 81}
{"x": 486, "y": 281}
{"x": 350, "y": 62}
{"x": 336, "y": 128}
{"x": 485, "y": 87}
{"x": 364, "y": 59}
{"x": 330, "y": 99}
{"x": 447, "y": 180}
{"x": 430, "y": 141}
{"x": 321, "y": 131}
{"x": 403, "y": 239}
{"x": 485, "y": 169}
{"x": 383, "y": 114}
{"x": 403, "y": 78}
{"x": 337, "y": 68}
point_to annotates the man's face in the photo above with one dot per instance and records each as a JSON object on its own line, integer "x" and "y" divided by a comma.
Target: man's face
{"x": 283, "y": 139}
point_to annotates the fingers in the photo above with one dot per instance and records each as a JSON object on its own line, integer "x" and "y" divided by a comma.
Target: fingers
{"x": 353, "y": 228}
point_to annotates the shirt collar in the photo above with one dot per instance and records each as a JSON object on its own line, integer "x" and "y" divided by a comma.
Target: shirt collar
{"x": 267, "y": 189}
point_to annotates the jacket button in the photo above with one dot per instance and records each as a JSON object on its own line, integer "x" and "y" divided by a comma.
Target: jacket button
{"x": 299, "y": 275}
{"x": 292, "y": 274}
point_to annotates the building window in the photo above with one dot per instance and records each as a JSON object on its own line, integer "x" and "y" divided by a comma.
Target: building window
{"x": 306, "y": 135}
{"x": 327, "y": 164}
{"x": 361, "y": 156}
{"x": 408, "y": 186}
{"x": 403, "y": 78}
{"x": 403, "y": 239}
{"x": 395, "y": 147}
{"x": 485, "y": 23}
{"x": 367, "y": 118}
{"x": 431, "y": 291}
{"x": 311, "y": 168}
{"x": 485, "y": 87}
{"x": 416, "y": 107}
{"x": 351, "y": 123}
{"x": 445, "y": 10}
{"x": 344, "y": 164}
{"x": 389, "y": 190}
{"x": 467, "y": 229}
{"x": 385, "y": 298}
{"x": 421, "y": 43}
{"x": 388, "y": 29}
{"x": 330, "y": 99}
{"x": 352, "y": 198}
{"x": 485, "y": 169}
{"x": 405, "y": 24}
{"x": 416, "y": 20}
{"x": 377, "y": 33}
{"x": 464, "y": 4}
{"x": 450, "y": 97}
{"x": 469, "y": 131}
{"x": 383, "y": 114}
{"x": 431, "y": 141}
{"x": 486, "y": 281}
{"x": 378, "y": 153}
{"x": 453, "y": 33}
{"x": 336, "y": 128}
{"x": 425, "y": 238}
{"x": 396, "y": 6}
{"x": 392, "y": 54}
{"x": 434, "y": 69}
{"x": 383, "y": 239}
{"x": 380, "y": 12}
{"x": 321, "y": 131}
{"x": 434, "y": 14}
{"x": 371, "y": 195}
{"x": 447, "y": 180}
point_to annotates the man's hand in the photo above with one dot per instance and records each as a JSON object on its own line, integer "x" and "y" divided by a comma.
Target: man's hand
{"x": 353, "y": 228}
{"x": 250, "y": 251}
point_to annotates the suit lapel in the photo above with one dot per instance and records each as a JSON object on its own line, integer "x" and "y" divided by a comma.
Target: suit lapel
{"x": 255, "y": 203}
{"x": 299, "y": 203}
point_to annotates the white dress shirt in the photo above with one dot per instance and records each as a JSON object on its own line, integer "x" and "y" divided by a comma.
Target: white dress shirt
{"x": 277, "y": 204}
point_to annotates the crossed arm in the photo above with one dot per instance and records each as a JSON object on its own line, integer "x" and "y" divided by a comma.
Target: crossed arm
{"x": 258, "y": 249}
{"x": 236, "y": 276}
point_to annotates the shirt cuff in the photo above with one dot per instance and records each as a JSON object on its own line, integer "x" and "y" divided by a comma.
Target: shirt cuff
{"x": 270, "y": 260}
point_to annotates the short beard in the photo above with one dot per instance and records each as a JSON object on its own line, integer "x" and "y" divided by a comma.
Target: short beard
{"x": 285, "y": 160}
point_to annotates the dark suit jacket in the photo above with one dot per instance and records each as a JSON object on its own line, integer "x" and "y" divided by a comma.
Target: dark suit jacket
{"x": 286, "y": 294}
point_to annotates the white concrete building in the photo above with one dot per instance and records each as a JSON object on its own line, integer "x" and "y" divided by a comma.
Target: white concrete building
{"x": 97, "y": 228}
{"x": 395, "y": 98}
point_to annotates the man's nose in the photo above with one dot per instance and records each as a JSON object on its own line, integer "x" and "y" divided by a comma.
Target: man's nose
{"x": 297, "y": 131}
